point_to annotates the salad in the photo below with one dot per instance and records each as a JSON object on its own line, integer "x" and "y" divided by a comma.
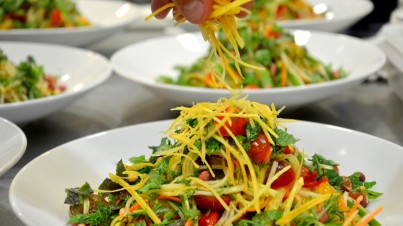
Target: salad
{"x": 277, "y": 10}
{"x": 40, "y": 14}
{"x": 283, "y": 63}
{"x": 226, "y": 163}
{"x": 25, "y": 81}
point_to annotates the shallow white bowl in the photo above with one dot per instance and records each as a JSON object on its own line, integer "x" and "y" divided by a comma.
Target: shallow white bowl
{"x": 341, "y": 15}
{"x": 143, "y": 62}
{"x": 393, "y": 48}
{"x": 107, "y": 18}
{"x": 79, "y": 70}
{"x": 91, "y": 158}
{"x": 12, "y": 145}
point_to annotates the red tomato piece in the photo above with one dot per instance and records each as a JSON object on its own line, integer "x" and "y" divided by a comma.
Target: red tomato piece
{"x": 211, "y": 203}
{"x": 310, "y": 178}
{"x": 56, "y": 17}
{"x": 286, "y": 178}
{"x": 237, "y": 126}
{"x": 209, "y": 219}
{"x": 260, "y": 149}
{"x": 287, "y": 150}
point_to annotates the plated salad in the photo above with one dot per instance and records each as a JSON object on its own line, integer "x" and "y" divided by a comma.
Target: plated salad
{"x": 277, "y": 10}
{"x": 226, "y": 163}
{"x": 40, "y": 14}
{"x": 25, "y": 81}
{"x": 283, "y": 63}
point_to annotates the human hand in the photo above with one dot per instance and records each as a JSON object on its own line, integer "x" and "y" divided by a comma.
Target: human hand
{"x": 195, "y": 11}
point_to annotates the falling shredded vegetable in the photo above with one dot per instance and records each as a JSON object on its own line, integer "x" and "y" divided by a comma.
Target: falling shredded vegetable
{"x": 223, "y": 18}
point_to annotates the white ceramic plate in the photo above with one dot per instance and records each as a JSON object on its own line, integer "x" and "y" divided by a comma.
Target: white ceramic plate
{"x": 341, "y": 15}
{"x": 12, "y": 145}
{"x": 144, "y": 62}
{"x": 393, "y": 48}
{"x": 37, "y": 191}
{"x": 107, "y": 18}
{"x": 79, "y": 70}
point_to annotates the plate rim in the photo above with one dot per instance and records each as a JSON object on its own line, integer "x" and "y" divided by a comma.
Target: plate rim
{"x": 21, "y": 150}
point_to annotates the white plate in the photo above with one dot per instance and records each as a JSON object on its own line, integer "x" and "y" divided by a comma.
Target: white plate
{"x": 393, "y": 48}
{"x": 12, "y": 145}
{"x": 144, "y": 62}
{"x": 37, "y": 192}
{"x": 341, "y": 15}
{"x": 80, "y": 70}
{"x": 107, "y": 18}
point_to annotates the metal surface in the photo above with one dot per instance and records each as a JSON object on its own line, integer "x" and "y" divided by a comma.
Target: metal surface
{"x": 370, "y": 108}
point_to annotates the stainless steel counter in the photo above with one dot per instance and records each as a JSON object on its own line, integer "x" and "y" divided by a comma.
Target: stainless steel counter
{"x": 370, "y": 108}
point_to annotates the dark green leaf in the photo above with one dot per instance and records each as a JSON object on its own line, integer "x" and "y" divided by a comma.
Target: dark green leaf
{"x": 76, "y": 196}
{"x": 283, "y": 138}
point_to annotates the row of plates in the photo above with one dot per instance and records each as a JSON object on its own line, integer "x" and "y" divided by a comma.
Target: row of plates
{"x": 113, "y": 16}
{"x": 82, "y": 70}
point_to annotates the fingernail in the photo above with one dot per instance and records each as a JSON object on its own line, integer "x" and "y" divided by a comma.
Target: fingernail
{"x": 194, "y": 10}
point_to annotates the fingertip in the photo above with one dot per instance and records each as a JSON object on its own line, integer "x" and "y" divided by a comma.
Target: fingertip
{"x": 197, "y": 11}
{"x": 247, "y": 6}
{"x": 156, "y": 4}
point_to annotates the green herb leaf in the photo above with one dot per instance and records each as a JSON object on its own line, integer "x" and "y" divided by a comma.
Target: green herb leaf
{"x": 284, "y": 138}
{"x": 76, "y": 196}
{"x": 212, "y": 146}
{"x": 263, "y": 219}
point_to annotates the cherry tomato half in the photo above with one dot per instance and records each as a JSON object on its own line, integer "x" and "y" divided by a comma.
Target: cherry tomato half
{"x": 286, "y": 178}
{"x": 310, "y": 178}
{"x": 209, "y": 219}
{"x": 260, "y": 149}
{"x": 237, "y": 126}
{"x": 211, "y": 203}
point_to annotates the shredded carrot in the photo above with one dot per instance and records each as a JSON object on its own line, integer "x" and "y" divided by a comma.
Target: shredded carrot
{"x": 208, "y": 80}
{"x": 134, "y": 207}
{"x": 189, "y": 222}
{"x": 172, "y": 198}
{"x": 342, "y": 204}
{"x": 283, "y": 75}
{"x": 365, "y": 220}
{"x": 355, "y": 205}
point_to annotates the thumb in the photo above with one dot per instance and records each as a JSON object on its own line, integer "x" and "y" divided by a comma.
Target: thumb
{"x": 195, "y": 11}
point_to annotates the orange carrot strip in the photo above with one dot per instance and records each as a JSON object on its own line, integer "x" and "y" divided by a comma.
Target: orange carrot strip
{"x": 355, "y": 205}
{"x": 283, "y": 81}
{"x": 189, "y": 222}
{"x": 369, "y": 217}
{"x": 134, "y": 207}
{"x": 172, "y": 198}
